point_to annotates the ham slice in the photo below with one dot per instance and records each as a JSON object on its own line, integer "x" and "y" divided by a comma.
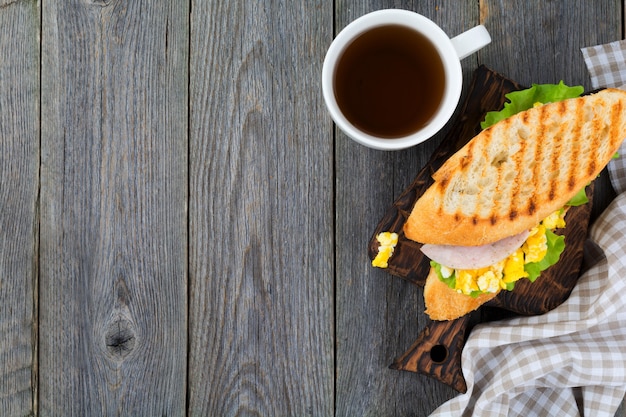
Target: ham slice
{"x": 474, "y": 257}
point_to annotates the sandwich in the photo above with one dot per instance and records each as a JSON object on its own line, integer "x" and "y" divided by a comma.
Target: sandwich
{"x": 490, "y": 217}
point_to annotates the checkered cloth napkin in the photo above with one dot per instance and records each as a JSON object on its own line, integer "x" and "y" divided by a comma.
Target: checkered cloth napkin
{"x": 606, "y": 64}
{"x": 572, "y": 360}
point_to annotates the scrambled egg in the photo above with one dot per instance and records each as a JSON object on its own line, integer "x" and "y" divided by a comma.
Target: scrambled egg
{"x": 489, "y": 279}
{"x": 555, "y": 220}
{"x": 511, "y": 269}
{"x": 489, "y": 282}
{"x": 536, "y": 245}
{"x": 492, "y": 278}
{"x": 388, "y": 242}
{"x": 514, "y": 267}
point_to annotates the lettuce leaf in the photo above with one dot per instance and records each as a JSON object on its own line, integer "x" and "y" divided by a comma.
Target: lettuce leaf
{"x": 526, "y": 99}
{"x": 450, "y": 281}
{"x": 579, "y": 199}
{"x": 556, "y": 245}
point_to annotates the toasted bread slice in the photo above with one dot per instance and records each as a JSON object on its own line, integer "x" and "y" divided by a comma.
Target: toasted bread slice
{"x": 444, "y": 303}
{"x": 515, "y": 173}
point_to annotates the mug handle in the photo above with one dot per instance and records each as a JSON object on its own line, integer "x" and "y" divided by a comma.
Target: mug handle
{"x": 471, "y": 41}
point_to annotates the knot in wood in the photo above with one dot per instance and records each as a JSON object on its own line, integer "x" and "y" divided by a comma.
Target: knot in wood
{"x": 120, "y": 338}
{"x": 101, "y": 3}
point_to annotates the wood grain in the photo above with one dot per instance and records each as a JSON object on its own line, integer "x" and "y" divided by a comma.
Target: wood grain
{"x": 190, "y": 237}
{"x": 19, "y": 185}
{"x": 376, "y": 314}
{"x": 113, "y": 291}
{"x": 261, "y": 211}
{"x": 437, "y": 352}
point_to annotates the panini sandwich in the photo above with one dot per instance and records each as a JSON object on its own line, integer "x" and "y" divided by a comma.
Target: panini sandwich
{"x": 488, "y": 219}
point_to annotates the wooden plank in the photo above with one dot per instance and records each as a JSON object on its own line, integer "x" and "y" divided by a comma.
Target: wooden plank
{"x": 113, "y": 272}
{"x": 261, "y": 211}
{"x": 379, "y": 316}
{"x": 520, "y": 54}
{"x": 19, "y": 184}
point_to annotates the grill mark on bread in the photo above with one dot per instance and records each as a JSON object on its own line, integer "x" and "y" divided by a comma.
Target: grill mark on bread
{"x": 571, "y": 183}
{"x": 490, "y": 198}
{"x": 540, "y": 115}
{"x": 558, "y": 147}
{"x": 489, "y": 165}
{"x": 575, "y": 133}
{"x": 520, "y": 167}
{"x": 465, "y": 161}
{"x": 595, "y": 149}
{"x": 444, "y": 182}
{"x": 592, "y": 168}
{"x": 514, "y": 206}
{"x": 615, "y": 125}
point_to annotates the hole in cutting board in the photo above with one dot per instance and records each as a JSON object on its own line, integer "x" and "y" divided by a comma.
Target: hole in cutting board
{"x": 438, "y": 353}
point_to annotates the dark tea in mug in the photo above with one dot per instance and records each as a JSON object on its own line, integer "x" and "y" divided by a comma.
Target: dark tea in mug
{"x": 389, "y": 82}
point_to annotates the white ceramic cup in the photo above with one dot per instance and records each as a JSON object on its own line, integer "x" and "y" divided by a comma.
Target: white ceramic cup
{"x": 451, "y": 51}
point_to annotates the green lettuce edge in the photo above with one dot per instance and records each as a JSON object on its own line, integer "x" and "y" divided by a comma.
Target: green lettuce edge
{"x": 525, "y": 99}
{"x": 556, "y": 246}
{"x": 579, "y": 199}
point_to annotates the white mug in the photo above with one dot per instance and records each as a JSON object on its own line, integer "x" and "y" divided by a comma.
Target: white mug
{"x": 449, "y": 51}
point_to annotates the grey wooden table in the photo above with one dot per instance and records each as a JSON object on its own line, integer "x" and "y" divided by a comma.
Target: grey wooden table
{"x": 182, "y": 229}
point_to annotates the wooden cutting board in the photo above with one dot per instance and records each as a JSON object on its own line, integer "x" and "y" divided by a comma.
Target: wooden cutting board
{"x": 437, "y": 350}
